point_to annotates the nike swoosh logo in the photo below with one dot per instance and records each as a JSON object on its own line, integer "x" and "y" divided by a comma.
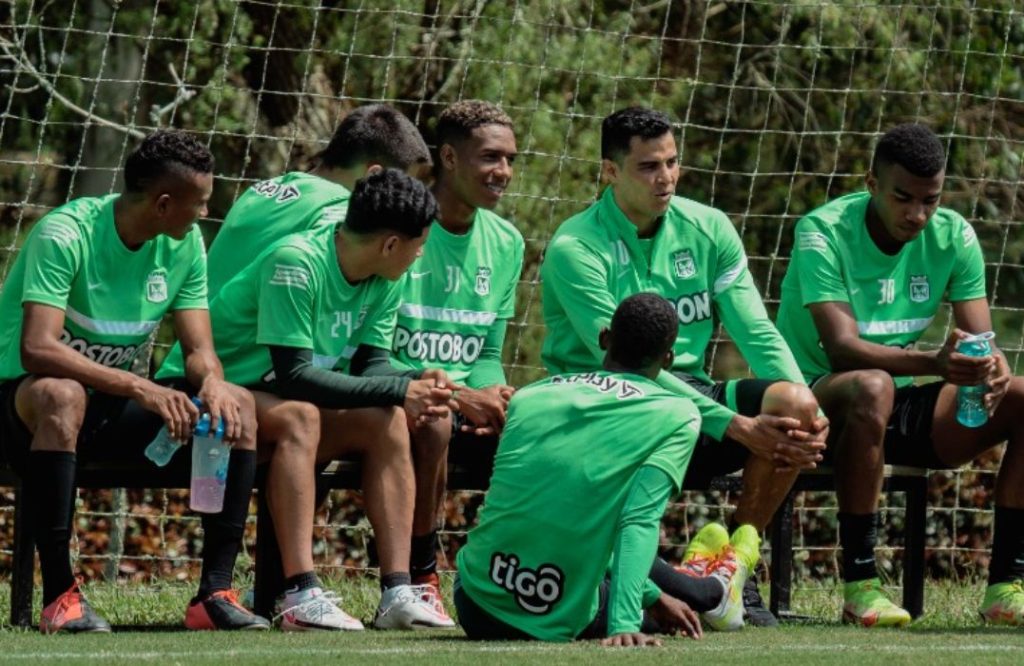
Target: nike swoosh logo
{"x": 94, "y": 285}
{"x": 867, "y": 561}
{"x": 416, "y": 276}
{"x": 623, "y": 273}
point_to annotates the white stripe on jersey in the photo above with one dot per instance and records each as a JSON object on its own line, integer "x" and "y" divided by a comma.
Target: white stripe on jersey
{"x": 893, "y": 327}
{"x": 431, "y": 313}
{"x": 728, "y": 277}
{"x": 111, "y": 326}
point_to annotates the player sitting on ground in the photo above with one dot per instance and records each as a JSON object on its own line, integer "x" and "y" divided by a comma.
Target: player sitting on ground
{"x": 456, "y": 303}
{"x": 282, "y": 327}
{"x": 867, "y": 277}
{"x": 639, "y": 237}
{"x": 585, "y": 467}
{"x": 92, "y": 281}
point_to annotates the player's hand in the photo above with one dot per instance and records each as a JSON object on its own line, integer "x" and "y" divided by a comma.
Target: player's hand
{"x": 779, "y": 439}
{"x": 673, "y": 615}
{"x": 998, "y": 384}
{"x": 818, "y": 434}
{"x": 635, "y": 639}
{"x": 174, "y": 407}
{"x": 960, "y": 369}
{"x": 426, "y": 401}
{"x": 219, "y": 400}
{"x": 484, "y": 408}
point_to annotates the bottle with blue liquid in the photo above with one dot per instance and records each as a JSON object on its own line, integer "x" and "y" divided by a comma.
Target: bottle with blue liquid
{"x": 970, "y": 400}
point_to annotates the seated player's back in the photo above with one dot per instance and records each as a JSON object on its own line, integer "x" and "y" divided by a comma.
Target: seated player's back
{"x": 568, "y": 453}
{"x": 268, "y": 211}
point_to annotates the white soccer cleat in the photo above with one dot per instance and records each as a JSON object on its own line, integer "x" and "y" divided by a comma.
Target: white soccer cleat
{"x": 411, "y": 607}
{"x": 314, "y": 609}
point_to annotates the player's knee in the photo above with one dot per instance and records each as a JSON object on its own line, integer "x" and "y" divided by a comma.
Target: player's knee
{"x": 870, "y": 396}
{"x": 430, "y": 440}
{"x": 301, "y": 425}
{"x": 247, "y": 414}
{"x": 790, "y": 399}
{"x": 59, "y": 406}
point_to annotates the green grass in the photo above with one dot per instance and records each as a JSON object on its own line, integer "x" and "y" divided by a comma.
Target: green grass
{"x": 948, "y": 633}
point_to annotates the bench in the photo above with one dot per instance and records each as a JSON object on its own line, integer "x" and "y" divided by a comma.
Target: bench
{"x": 345, "y": 475}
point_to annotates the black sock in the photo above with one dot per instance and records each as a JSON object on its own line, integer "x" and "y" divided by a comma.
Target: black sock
{"x": 858, "y": 536}
{"x": 388, "y": 581}
{"x": 50, "y": 496}
{"x": 700, "y": 594}
{"x": 222, "y": 532}
{"x": 1007, "y": 546}
{"x": 423, "y": 558}
{"x": 302, "y": 581}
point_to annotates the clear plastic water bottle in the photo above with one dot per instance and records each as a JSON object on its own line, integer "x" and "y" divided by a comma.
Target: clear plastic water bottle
{"x": 162, "y": 448}
{"x": 209, "y": 467}
{"x": 970, "y": 400}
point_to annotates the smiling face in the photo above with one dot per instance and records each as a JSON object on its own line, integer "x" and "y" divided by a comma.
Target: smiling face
{"x": 644, "y": 180}
{"x": 902, "y": 202}
{"x": 479, "y": 169}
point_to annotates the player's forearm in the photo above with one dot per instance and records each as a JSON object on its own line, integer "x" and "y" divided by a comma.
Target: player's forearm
{"x": 635, "y": 547}
{"x": 715, "y": 418}
{"x": 742, "y": 311}
{"x": 202, "y": 365}
{"x": 370, "y": 361}
{"x": 487, "y": 369}
{"x": 854, "y": 353}
{"x": 53, "y": 359}
{"x": 298, "y": 379}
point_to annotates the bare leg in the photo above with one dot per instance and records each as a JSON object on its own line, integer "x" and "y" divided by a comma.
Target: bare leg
{"x": 430, "y": 454}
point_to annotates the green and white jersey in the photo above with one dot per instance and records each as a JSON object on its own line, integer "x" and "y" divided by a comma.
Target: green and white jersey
{"x": 567, "y": 458}
{"x": 267, "y": 212}
{"x": 456, "y": 293}
{"x": 893, "y": 297}
{"x": 112, "y": 297}
{"x": 294, "y": 295}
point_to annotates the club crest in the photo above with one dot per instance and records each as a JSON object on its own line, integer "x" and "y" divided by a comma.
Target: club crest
{"x": 156, "y": 287}
{"x": 919, "y": 289}
{"x": 683, "y": 264}
{"x": 483, "y": 281}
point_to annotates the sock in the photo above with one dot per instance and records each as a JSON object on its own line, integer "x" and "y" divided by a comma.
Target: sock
{"x": 700, "y": 594}
{"x": 423, "y": 558}
{"x": 223, "y": 531}
{"x": 388, "y": 581}
{"x": 300, "y": 582}
{"x": 50, "y": 495}
{"x": 858, "y": 536}
{"x": 1007, "y": 546}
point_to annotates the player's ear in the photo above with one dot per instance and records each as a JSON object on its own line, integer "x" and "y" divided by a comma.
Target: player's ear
{"x": 871, "y": 180}
{"x": 609, "y": 171}
{"x": 446, "y": 155}
{"x": 162, "y": 203}
{"x": 670, "y": 357}
{"x": 389, "y": 245}
{"x": 604, "y": 338}
{"x": 372, "y": 168}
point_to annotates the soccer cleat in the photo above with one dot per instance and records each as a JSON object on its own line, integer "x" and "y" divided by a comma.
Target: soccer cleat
{"x": 313, "y": 609}
{"x": 733, "y": 567}
{"x": 430, "y": 586}
{"x": 866, "y": 605}
{"x": 755, "y": 613}
{"x": 703, "y": 551}
{"x": 71, "y": 613}
{"x": 222, "y": 611}
{"x": 411, "y": 607}
{"x": 1004, "y": 604}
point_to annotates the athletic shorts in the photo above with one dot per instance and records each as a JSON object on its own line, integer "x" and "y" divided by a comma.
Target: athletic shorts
{"x": 471, "y": 450}
{"x": 711, "y": 457}
{"x": 908, "y": 435}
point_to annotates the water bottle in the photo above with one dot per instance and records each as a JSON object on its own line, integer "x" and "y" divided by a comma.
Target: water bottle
{"x": 162, "y": 448}
{"x": 209, "y": 467}
{"x": 970, "y": 400}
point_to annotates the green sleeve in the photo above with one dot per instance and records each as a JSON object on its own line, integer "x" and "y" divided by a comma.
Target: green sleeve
{"x": 193, "y": 295}
{"x": 578, "y": 278}
{"x": 380, "y": 328}
{"x": 636, "y": 545}
{"x": 487, "y": 369}
{"x": 742, "y": 312}
{"x": 715, "y": 417}
{"x": 818, "y": 265}
{"x": 968, "y": 279}
{"x": 651, "y": 593}
{"x": 507, "y": 309}
{"x": 287, "y": 298}
{"x": 53, "y": 255}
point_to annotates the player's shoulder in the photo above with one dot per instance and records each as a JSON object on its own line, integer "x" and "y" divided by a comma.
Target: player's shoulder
{"x": 295, "y": 187}
{"x": 836, "y": 216}
{"x": 583, "y": 228}
{"x": 497, "y": 227}
{"x": 686, "y": 216}
{"x": 75, "y": 220}
{"x": 950, "y": 229}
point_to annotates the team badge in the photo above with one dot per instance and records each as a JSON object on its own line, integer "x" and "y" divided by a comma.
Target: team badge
{"x": 156, "y": 287}
{"x": 483, "y": 280}
{"x": 682, "y": 262}
{"x": 919, "y": 289}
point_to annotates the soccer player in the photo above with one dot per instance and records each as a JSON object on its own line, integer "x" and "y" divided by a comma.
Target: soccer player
{"x": 93, "y": 280}
{"x": 368, "y": 139}
{"x": 640, "y": 237}
{"x": 286, "y": 327}
{"x": 867, "y": 276}
{"x": 458, "y": 298}
{"x": 585, "y": 467}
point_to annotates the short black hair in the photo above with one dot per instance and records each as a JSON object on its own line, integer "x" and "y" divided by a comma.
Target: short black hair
{"x": 618, "y": 129}
{"x": 390, "y": 200}
{"x": 375, "y": 133}
{"x": 914, "y": 147}
{"x": 161, "y": 153}
{"x": 644, "y": 327}
{"x": 458, "y": 120}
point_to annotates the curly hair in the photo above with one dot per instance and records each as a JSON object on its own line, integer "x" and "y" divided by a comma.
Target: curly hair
{"x": 457, "y": 122}
{"x": 914, "y": 147}
{"x": 161, "y": 153}
{"x": 644, "y": 328}
{"x": 390, "y": 200}
{"x": 375, "y": 133}
{"x": 618, "y": 129}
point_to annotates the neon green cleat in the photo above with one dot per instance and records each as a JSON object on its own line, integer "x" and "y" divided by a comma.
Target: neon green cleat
{"x": 703, "y": 550}
{"x": 1004, "y": 604}
{"x": 865, "y": 604}
{"x": 737, "y": 559}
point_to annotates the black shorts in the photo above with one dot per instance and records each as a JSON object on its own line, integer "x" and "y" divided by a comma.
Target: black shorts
{"x": 471, "y": 450}
{"x": 114, "y": 428}
{"x": 711, "y": 457}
